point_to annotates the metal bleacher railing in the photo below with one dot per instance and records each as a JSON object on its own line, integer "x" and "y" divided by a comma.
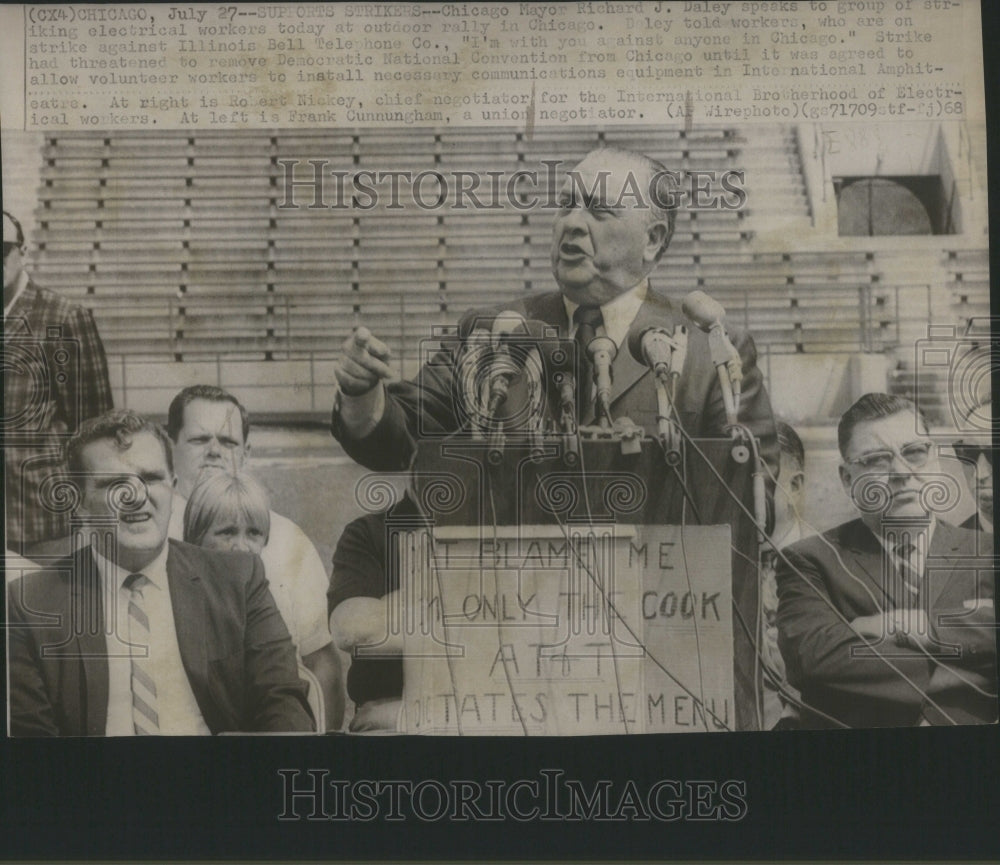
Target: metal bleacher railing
{"x": 306, "y": 335}
{"x": 187, "y": 251}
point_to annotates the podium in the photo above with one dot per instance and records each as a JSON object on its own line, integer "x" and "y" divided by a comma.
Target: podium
{"x": 552, "y": 587}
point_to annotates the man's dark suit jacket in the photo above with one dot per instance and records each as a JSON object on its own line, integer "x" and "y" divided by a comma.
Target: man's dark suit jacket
{"x": 426, "y": 407}
{"x": 235, "y": 647}
{"x": 838, "y": 574}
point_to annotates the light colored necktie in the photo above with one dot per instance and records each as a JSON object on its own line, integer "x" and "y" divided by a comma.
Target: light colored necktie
{"x": 145, "y": 720}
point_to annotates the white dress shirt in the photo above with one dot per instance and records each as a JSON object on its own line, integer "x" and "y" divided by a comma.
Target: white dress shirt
{"x": 176, "y": 705}
{"x": 618, "y": 314}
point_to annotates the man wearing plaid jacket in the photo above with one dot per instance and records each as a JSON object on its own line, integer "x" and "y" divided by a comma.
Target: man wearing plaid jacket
{"x": 55, "y": 376}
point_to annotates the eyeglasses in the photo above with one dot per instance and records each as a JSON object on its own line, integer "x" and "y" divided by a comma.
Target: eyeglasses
{"x": 914, "y": 454}
{"x": 970, "y": 452}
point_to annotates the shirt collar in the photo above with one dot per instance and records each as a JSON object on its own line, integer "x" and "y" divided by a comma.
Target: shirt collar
{"x": 155, "y": 571}
{"x": 22, "y": 283}
{"x": 618, "y": 314}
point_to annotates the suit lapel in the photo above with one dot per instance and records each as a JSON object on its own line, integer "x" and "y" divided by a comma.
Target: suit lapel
{"x": 865, "y": 556}
{"x": 549, "y": 308}
{"x": 945, "y": 545}
{"x": 91, "y": 644}
{"x": 656, "y": 311}
{"x": 187, "y": 597}
{"x": 872, "y": 565}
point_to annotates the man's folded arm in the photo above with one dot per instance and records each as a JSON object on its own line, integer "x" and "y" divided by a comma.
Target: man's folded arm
{"x": 821, "y": 649}
{"x": 972, "y": 628}
{"x": 360, "y": 622}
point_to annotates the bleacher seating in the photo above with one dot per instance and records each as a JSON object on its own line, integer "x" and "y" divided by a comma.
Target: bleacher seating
{"x": 185, "y": 246}
{"x": 968, "y": 282}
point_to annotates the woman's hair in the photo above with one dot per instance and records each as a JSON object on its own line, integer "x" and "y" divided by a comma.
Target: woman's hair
{"x": 225, "y": 495}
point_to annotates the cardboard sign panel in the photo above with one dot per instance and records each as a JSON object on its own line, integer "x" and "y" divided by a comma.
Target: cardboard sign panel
{"x": 566, "y": 630}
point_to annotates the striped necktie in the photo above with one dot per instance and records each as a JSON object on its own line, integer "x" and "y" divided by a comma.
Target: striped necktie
{"x": 145, "y": 720}
{"x": 587, "y": 319}
{"x": 906, "y": 554}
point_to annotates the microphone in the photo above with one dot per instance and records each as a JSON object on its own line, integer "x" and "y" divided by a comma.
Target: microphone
{"x": 664, "y": 353}
{"x": 708, "y": 313}
{"x": 602, "y": 351}
{"x": 503, "y": 368}
{"x": 680, "y": 349}
{"x": 660, "y": 350}
{"x": 472, "y": 356}
{"x": 557, "y": 359}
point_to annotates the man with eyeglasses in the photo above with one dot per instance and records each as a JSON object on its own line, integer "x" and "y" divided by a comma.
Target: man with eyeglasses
{"x": 55, "y": 377}
{"x": 975, "y": 452}
{"x": 613, "y": 226}
{"x": 888, "y": 620}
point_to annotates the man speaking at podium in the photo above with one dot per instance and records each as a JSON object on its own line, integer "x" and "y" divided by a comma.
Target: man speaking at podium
{"x": 615, "y": 221}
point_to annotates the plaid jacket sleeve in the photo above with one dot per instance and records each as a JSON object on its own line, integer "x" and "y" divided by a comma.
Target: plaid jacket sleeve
{"x": 59, "y": 380}
{"x": 87, "y": 393}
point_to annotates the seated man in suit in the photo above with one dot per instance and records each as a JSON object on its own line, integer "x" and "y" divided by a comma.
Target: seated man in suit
{"x": 616, "y": 219}
{"x": 142, "y": 635}
{"x": 210, "y": 432}
{"x": 888, "y": 620}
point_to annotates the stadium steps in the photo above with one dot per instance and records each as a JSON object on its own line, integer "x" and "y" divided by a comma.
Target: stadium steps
{"x": 298, "y": 279}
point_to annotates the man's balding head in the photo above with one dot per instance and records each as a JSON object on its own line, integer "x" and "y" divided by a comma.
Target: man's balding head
{"x": 615, "y": 220}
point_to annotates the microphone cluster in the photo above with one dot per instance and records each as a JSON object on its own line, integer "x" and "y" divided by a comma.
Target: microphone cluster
{"x": 493, "y": 353}
{"x": 496, "y": 350}
{"x": 708, "y": 313}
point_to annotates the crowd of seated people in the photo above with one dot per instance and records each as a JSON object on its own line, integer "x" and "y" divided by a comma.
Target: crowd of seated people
{"x": 190, "y": 489}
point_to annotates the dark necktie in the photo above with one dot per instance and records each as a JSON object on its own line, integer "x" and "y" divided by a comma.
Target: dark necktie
{"x": 145, "y": 719}
{"x": 587, "y": 320}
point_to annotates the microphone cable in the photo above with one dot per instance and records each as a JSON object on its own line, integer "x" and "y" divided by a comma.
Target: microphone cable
{"x": 595, "y": 579}
{"x": 688, "y": 499}
{"x": 429, "y": 528}
{"x": 496, "y": 586}
{"x": 719, "y": 722}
